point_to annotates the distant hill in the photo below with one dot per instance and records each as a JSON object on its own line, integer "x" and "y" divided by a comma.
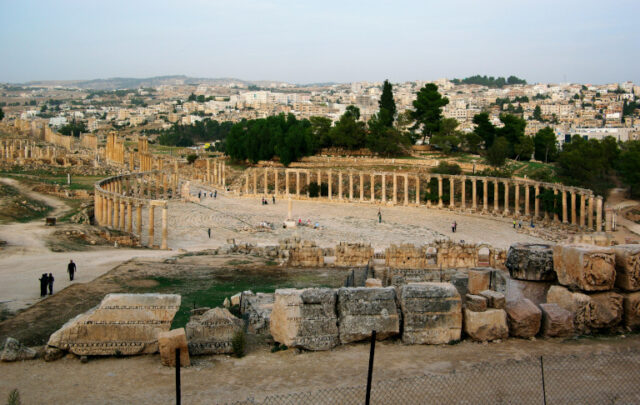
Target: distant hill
{"x": 116, "y": 83}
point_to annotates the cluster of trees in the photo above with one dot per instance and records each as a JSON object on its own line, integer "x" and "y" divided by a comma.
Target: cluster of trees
{"x": 490, "y": 81}
{"x": 73, "y": 128}
{"x": 206, "y": 130}
{"x": 199, "y": 98}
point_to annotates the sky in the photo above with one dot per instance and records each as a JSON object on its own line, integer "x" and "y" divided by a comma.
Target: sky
{"x": 308, "y": 41}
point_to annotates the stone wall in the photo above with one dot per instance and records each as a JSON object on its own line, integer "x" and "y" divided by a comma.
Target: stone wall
{"x": 353, "y": 254}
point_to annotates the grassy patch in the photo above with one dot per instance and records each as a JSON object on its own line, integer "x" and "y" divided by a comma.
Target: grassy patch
{"x": 18, "y": 207}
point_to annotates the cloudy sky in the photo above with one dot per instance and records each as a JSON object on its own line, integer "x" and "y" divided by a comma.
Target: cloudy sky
{"x": 308, "y": 41}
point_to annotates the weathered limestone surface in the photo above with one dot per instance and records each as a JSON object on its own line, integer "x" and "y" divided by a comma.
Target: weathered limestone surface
{"x": 589, "y": 268}
{"x": 530, "y": 261}
{"x": 257, "y": 309}
{"x": 305, "y": 318}
{"x": 168, "y": 342}
{"x": 494, "y": 299}
{"x": 556, "y": 321}
{"x": 479, "y": 280}
{"x": 362, "y": 309}
{"x": 524, "y": 318}
{"x": 306, "y": 254}
{"x": 406, "y": 256}
{"x": 593, "y": 311}
{"x": 631, "y": 307}
{"x": 431, "y": 313}
{"x": 122, "y": 324}
{"x": 475, "y": 303}
{"x": 212, "y": 332}
{"x": 460, "y": 281}
{"x": 353, "y": 254}
{"x": 16, "y": 351}
{"x": 536, "y": 291}
{"x": 488, "y": 325}
{"x": 373, "y": 282}
{"x": 627, "y": 267}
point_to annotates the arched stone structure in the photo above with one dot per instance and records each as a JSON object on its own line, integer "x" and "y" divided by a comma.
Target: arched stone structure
{"x": 511, "y": 197}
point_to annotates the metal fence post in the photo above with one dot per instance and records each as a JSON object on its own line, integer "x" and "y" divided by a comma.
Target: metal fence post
{"x": 544, "y": 390}
{"x": 369, "y": 375}
{"x": 178, "y": 377}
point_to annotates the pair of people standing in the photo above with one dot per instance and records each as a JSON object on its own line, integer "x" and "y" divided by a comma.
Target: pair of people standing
{"x": 46, "y": 282}
{"x": 454, "y": 226}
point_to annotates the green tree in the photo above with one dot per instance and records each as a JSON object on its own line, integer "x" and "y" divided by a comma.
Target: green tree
{"x": 385, "y": 140}
{"x": 537, "y": 113}
{"x": 524, "y": 148}
{"x": 427, "y": 112}
{"x": 200, "y": 98}
{"x": 498, "y": 152}
{"x": 320, "y": 127}
{"x": 192, "y": 97}
{"x": 471, "y": 142}
{"x": 348, "y": 132}
{"x": 546, "y": 145}
{"x": 512, "y": 131}
{"x": 484, "y": 129}
{"x": 387, "y": 105}
{"x": 629, "y": 167}
{"x": 191, "y": 158}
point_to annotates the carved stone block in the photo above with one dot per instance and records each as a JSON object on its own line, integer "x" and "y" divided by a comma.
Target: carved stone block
{"x": 588, "y": 268}
{"x": 361, "y": 310}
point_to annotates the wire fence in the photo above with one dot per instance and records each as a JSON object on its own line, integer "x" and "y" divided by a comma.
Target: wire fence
{"x": 609, "y": 378}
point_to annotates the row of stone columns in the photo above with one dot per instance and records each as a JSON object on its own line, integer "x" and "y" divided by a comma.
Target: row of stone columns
{"x": 114, "y": 209}
{"x": 217, "y": 175}
{"x": 259, "y": 180}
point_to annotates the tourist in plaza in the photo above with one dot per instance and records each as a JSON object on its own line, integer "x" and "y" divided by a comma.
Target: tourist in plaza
{"x": 514, "y": 224}
{"x": 215, "y": 194}
{"x": 50, "y": 280}
{"x": 273, "y": 199}
{"x": 44, "y": 281}
{"x": 379, "y": 216}
{"x": 71, "y": 269}
{"x": 209, "y": 232}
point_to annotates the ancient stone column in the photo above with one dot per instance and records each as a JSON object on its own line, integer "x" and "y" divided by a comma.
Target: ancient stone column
{"x": 485, "y": 196}
{"x": 151, "y": 224}
{"x": 372, "y": 180}
{"x": 266, "y": 181}
{"x": 555, "y": 215}
{"x": 319, "y": 179}
{"x": 496, "y": 198}
{"x": 97, "y": 214}
{"x": 350, "y": 186}
{"x": 255, "y": 181}
{"x": 527, "y": 211}
{"x": 536, "y": 202}
{"x": 564, "y": 207}
{"x": 506, "y": 198}
{"x": 517, "y": 200}
{"x": 452, "y": 193}
{"x": 406, "y": 189}
{"x": 440, "y": 192}
{"x": 165, "y": 230}
{"x": 330, "y": 185}
{"x": 395, "y": 189}
{"x": 116, "y": 213}
{"x": 275, "y": 181}
{"x": 463, "y": 192}
{"x": 246, "y": 183}
{"x": 307, "y": 174}
{"x": 583, "y": 210}
{"x": 297, "y": 183}
{"x": 599, "y": 214}
{"x": 224, "y": 175}
{"x": 474, "y": 195}
{"x": 339, "y": 185}
{"x": 122, "y": 215}
{"x": 129, "y": 217}
{"x": 105, "y": 211}
{"x": 428, "y": 186}
{"x": 361, "y": 187}
{"x": 574, "y": 214}
{"x": 139, "y": 220}
{"x": 384, "y": 188}
{"x": 286, "y": 182}
{"x": 417, "y": 190}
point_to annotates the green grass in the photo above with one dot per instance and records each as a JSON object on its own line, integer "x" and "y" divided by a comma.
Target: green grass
{"x": 211, "y": 291}
{"x": 41, "y": 176}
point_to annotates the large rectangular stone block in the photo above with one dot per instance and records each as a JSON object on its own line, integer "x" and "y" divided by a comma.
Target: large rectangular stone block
{"x": 627, "y": 267}
{"x": 212, "y": 332}
{"x": 431, "y": 313}
{"x": 168, "y": 342}
{"x": 585, "y": 267}
{"x": 488, "y": 325}
{"x": 523, "y": 317}
{"x": 631, "y": 307}
{"x": 479, "y": 280}
{"x": 362, "y": 309}
{"x": 305, "y": 318}
{"x": 590, "y": 311}
{"x": 556, "y": 321}
{"x": 531, "y": 261}
{"x": 122, "y": 324}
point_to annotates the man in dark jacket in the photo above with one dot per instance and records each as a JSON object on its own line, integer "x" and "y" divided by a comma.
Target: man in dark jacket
{"x": 50, "y": 283}
{"x": 44, "y": 282}
{"x": 71, "y": 269}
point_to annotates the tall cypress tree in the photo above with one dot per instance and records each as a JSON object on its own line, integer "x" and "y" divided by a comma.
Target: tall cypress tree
{"x": 387, "y": 105}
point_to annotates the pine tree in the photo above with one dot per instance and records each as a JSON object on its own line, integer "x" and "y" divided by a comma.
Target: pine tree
{"x": 387, "y": 105}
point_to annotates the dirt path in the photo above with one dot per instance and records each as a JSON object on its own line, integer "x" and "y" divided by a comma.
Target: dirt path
{"x": 26, "y": 256}
{"x": 222, "y": 379}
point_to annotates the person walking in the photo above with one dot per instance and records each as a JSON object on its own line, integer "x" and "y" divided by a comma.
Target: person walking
{"x": 50, "y": 283}
{"x": 455, "y": 226}
{"x": 44, "y": 281}
{"x": 273, "y": 199}
{"x": 209, "y": 232}
{"x": 71, "y": 269}
{"x": 215, "y": 194}
{"x": 514, "y": 224}
{"x": 379, "y": 216}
